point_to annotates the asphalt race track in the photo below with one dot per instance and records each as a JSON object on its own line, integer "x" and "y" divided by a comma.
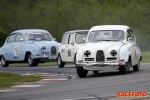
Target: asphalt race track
{"x": 101, "y": 86}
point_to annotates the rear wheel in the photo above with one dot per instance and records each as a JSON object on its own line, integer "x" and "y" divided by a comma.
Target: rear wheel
{"x": 31, "y": 61}
{"x": 60, "y": 63}
{"x": 125, "y": 69}
{"x": 81, "y": 72}
{"x": 136, "y": 67}
{"x": 4, "y": 63}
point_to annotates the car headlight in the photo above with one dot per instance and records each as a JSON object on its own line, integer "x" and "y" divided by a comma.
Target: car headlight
{"x": 113, "y": 52}
{"x": 87, "y": 53}
{"x": 43, "y": 48}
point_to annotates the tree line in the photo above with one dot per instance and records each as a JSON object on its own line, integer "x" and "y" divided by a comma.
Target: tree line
{"x": 59, "y": 16}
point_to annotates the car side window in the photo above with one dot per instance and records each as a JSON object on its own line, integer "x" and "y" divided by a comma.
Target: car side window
{"x": 130, "y": 34}
{"x": 65, "y": 39}
{"x": 71, "y": 38}
{"x": 19, "y": 37}
{"x": 11, "y": 38}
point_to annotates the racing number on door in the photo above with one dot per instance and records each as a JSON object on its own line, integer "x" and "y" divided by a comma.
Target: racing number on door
{"x": 16, "y": 52}
{"x": 69, "y": 52}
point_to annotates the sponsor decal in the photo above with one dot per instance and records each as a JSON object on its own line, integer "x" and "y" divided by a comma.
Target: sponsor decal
{"x": 16, "y": 52}
{"x": 131, "y": 94}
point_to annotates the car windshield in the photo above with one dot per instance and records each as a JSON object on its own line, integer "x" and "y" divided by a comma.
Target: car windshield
{"x": 110, "y": 35}
{"x": 79, "y": 37}
{"x": 39, "y": 36}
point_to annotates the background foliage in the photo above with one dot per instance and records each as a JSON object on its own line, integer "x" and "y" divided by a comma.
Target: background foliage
{"x": 59, "y": 16}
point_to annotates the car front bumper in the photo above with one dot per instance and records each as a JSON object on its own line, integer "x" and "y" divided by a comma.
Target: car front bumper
{"x": 45, "y": 57}
{"x": 100, "y": 65}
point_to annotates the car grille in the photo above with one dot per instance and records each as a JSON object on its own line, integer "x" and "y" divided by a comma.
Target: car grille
{"x": 53, "y": 50}
{"x": 100, "y": 55}
{"x": 46, "y": 53}
{"x": 111, "y": 59}
{"x": 89, "y": 59}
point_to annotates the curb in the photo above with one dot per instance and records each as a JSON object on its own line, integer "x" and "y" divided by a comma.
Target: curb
{"x": 48, "y": 78}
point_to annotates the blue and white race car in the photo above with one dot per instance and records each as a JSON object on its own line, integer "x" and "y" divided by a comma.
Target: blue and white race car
{"x": 30, "y": 45}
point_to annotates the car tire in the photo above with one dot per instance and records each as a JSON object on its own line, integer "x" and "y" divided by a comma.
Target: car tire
{"x": 60, "y": 63}
{"x": 4, "y": 63}
{"x": 75, "y": 59}
{"x": 31, "y": 61}
{"x": 82, "y": 73}
{"x": 125, "y": 69}
{"x": 136, "y": 67}
{"x": 95, "y": 72}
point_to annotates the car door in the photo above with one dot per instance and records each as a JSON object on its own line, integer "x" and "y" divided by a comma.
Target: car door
{"x": 133, "y": 47}
{"x": 18, "y": 47}
{"x": 9, "y": 47}
{"x": 70, "y": 47}
{"x": 64, "y": 47}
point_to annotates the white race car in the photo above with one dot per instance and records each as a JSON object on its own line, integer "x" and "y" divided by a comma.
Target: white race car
{"x": 108, "y": 47}
{"x": 71, "y": 42}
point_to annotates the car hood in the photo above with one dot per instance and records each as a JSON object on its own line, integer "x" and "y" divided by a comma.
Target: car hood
{"x": 47, "y": 44}
{"x": 103, "y": 45}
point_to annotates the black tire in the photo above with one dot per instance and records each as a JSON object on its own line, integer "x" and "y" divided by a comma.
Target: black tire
{"x": 95, "y": 72}
{"x": 81, "y": 72}
{"x": 136, "y": 67}
{"x": 125, "y": 69}
{"x": 31, "y": 61}
{"x": 75, "y": 59}
{"x": 60, "y": 63}
{"x": 4, "y": 63}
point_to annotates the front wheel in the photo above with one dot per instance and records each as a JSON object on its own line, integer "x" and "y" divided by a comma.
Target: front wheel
{"x": 60, "y": 63}
{"x": 31, "y": 61}
{"x": 81, "y": 72}
{"x": 136, "y": 67}
{"x": 125, "y": 69}
{"x": 4, "y": 63}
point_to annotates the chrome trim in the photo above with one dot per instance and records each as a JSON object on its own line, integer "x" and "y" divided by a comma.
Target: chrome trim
{"x": 100, "y": 65}
{"x": 45, "y": 57}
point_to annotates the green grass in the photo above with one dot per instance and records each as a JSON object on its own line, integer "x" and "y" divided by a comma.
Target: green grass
{"x": 146, "y": 57}
{"x": 8, "y": 80}
{"x": 40, "y": 64}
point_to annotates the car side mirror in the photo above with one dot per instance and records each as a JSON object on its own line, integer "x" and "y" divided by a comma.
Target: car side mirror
{"x": 72, "y": 43}
{"x": 84, "y": 39}
{"x": 130, "y": 39}
{"x": 54, "y": 39}
{"x": 21, "y": 39}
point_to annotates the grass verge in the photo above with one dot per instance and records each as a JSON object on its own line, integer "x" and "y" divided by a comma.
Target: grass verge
{"x": 8, "y": 80}
{"x": 146, "y": 57}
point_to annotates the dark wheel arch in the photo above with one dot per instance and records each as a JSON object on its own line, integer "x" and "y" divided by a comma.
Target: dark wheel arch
{"x": 60, "y": 63}
{"x": 124, "y": 69}
{"x": 32, "y": 62}
{"x": 4, "y": 62}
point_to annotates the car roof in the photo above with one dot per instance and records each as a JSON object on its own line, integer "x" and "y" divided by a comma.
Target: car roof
{"x": 110, "y": 27}
{"x": 30, "y": 30}
{"x": 76, "y": 31}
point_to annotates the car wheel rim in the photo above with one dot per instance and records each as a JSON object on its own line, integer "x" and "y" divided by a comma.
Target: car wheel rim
{"x": 3, "y": 61}
{"x": 30, "y": 59}
{"x": 59, "y": 60}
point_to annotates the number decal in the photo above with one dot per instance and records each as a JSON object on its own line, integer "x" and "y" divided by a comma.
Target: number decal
{"x": 69, "y": 52}
{"x": 16, "y": 51}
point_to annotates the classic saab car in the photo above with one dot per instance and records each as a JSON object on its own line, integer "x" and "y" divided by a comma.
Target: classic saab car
{"x": 30, "y": 45}
{"x": 71, "y": 41}
{"x": 108, "y": 47}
